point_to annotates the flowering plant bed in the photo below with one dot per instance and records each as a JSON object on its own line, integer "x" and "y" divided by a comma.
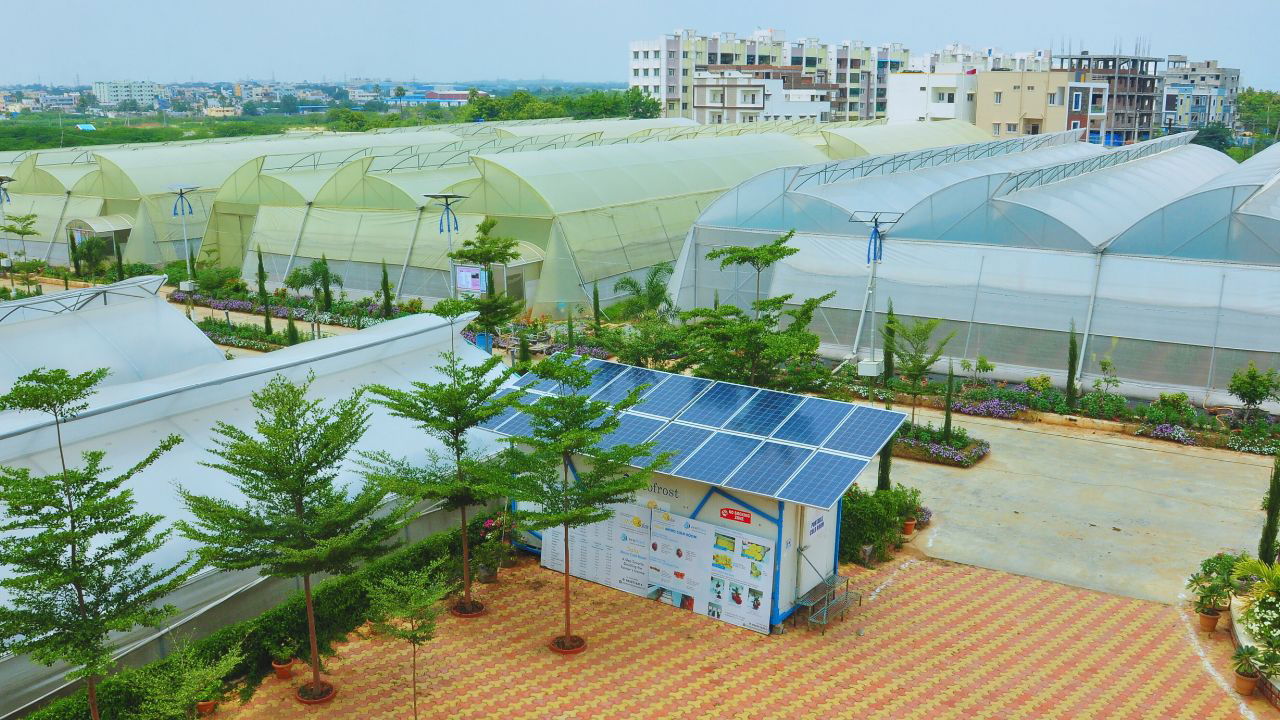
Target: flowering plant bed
{"x": 283, "y": 311}
{"x": 1167, "y": 431}
{"x": 925, "y": 442}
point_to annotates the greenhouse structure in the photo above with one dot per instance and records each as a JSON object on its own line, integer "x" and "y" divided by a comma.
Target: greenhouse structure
{"x": 1163, "y": 255}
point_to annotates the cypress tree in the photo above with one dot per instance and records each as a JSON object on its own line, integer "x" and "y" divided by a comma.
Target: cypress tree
{"x": 74, "y": 252}
{"x": 263, "y": 296}
{"x": 325, "y": 279}
{"x": 715, "y": 300}
{"x": 119, "y": 261}
{"x": 291, "y": 332}
{"x": 946, "y": 412}
{"x": 524, "y": 356}
{"x": 595, "y": 304}
{"x": 1073, "y": 358}
{"x": 570, "y": 341}
{"x": 886, "y": 455}
{"x": 1267, "y": 546}
{"x": 386, "y": 292}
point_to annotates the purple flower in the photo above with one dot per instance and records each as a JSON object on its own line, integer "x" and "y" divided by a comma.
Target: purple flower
{"x": 995, "y": 407}
{"x": 1168, "y": 431}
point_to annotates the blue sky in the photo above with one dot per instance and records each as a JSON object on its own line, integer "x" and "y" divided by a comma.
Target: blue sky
{"x": 565, "y": 39}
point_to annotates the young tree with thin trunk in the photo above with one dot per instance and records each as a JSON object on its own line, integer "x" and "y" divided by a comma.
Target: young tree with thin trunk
{"x": 758, "y": 258}
{"x": 405, "y": 606}
{"x": 565, "y": 427}
{"x": 448, "y": 411}
{"x": 24, "y": 226}
{"x": 295, "y": 519}
{"x": 74, "y": 545}
{"x": 263, "y": 296}
{"x": 915, "y": 352}
{"x": 495, "y": 309}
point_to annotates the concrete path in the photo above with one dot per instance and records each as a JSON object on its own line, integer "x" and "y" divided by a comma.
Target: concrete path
{"x": 1123, "y": 515}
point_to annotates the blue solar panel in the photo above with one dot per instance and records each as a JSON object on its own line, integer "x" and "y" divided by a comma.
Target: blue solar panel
{"x": 717, "y": 458}
{"x": 497, "y": 420}
{"x": 604, "y": 372}
{"x": 615, "y": 391}
{"x": 813, "y": 421}
{"x": 769, "y": 468}
{"x": 865, "y": 431}
{"x": 517, "y": 425}
{"x": 765, "y": 412}
{"x": 632, "y": 430}
{"x": 671, "y": 396}
{"x": 527, "y": 379}
{"x": 679, "y": 440}
{"x": 720, "y": 402}
{"x": 822, "y": 480}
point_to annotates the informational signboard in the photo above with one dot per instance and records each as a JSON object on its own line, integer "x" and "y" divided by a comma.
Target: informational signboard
{"x": 707, "y": 569}
{"x": 471, "y": 278}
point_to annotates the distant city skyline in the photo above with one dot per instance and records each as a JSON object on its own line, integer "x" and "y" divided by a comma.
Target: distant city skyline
{"x": 572, "y": 40}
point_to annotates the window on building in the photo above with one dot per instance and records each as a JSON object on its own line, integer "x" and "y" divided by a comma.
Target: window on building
{"x": 671, "y": 72}
{"x": 646, "y": 72}
{"x": 671, "y": 105}
{"x": 968, "y": 97}
{"x": 684, "y": 54}
{"x": 1011, "y": 127}
{"x": 995, "y": 128}
{"x": 1031, "y": 88}
{"x": 684, "y": 72}
{"x": 635, "y": 72}
{"x": 811, "y": 62}
{"x": 1075, "y": 124}
{"x": 1075, "y": 101}
{"x": 646, "y": 54}
{"x": 998, "y": 97}
{"x": 1017, "y": 87}
{"x": 684, "y": 106}
{"x": 671, "y": 54}
{"x": 671, "y": 89}
{"x": 635, "y": 54}
{"x": 684, "y": 88}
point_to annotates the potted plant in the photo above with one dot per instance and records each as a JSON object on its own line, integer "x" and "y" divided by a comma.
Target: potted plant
{"x": 1247, "y": 662}
{"x": 1213, "y": 597}
{"x": 283, "y": 650}
{"x": 490, "y": 554}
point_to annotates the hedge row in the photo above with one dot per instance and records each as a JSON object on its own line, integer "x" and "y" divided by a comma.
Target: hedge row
{"x": 341, "y": 605}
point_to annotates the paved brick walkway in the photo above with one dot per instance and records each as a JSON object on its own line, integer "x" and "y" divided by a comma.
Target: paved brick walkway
{"x": 938, "y": 640}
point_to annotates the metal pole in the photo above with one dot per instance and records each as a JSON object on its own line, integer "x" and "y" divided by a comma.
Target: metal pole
{"x": 1213, "y": 348}
{"x": 1088, "y": 321}
{"x": 448, "y": 229}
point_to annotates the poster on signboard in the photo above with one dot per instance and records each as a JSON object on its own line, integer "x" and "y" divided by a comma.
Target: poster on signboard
{"x": 471, "y": 278}
{"x": 692, "y": 565}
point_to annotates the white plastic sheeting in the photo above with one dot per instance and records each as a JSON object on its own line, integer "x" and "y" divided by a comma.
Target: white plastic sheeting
{"x": 129, "y": 420}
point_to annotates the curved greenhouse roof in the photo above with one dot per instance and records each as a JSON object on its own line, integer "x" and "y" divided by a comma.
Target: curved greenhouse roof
{"x": 605, "y": 128}
{"x": 885, "y": 139}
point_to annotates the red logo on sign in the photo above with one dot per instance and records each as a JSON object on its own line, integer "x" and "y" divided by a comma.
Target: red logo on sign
{"x": 741, "y": 516}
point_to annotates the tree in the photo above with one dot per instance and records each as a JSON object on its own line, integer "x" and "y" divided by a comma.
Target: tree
{"x": 640, "y": 105}
{"x": 291, "y": 329}
{"x": 85, "y": 101}
{"x": 74, "y": 545}
{"x": 376, "y": 106}
{"x": 404, "y": 606}
{"x": 885, "y": 467}
{"x": 23, "y": 226}
{"x": 759, "y": 258}
{"x": 773, "y": 349}
{"x": 1216, "y": 136}
{"x": 946, "y": 411}
{"x": 182, "y": 679}
{"x": 448, "y": 411}
{"x": 289, "y": 104}
{"x": 294, "y": 520}
{"x": 1253, "y": 387}
{"x": 325, "y": 279}
{"x": 486, "y": 250}
{"x": 385, "y": 288}
{"x": 563, "y": 427}
{"x": 915, "y": 353}
{"x": 648, "y": 297}
{"x": 1267, "y": 546}
{"x": 264, "y": 297}
{"x": 595, "y": 305}
{"x": 299, "y": 278}
{"x": 568, "y": 325}
{"x": 1073, "y": 359}
{"x": 90, "y": 254}
{"x": 399, "y": 91}
{"x": 649, "y": 341}
{"x": 115, "y": 246}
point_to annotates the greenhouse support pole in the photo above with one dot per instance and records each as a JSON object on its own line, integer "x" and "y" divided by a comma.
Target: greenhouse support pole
{"x": 862, "y": 316}
{"x": 973, "y": 309}
{"x": 409, "y": 253}
{"x": 49, "y": 250}
{"x": 1088, "y": 319}
{"x": 297, "y": 242}
{"x": 1213, "y": 347}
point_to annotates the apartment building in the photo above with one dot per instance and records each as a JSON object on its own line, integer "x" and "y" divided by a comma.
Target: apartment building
{"x": 1133, "y": 85}
{"x": 1195, "y": 94}
{"x": 732, "y": 96}
{"x": 983, "y": 59}
{"x": 1013, "y": 104}
{"x": 852, "y": 76}
{"x": 949, "y": 93}
{"x": 112, "y": 93}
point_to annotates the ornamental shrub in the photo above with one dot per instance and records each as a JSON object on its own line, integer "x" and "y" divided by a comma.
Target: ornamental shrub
{"x": 868, "y": 519}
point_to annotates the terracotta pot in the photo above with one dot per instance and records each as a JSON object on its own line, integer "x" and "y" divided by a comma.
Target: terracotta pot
{"x": 486, "y": 574}
{"x": 580, "y": 644}
{"x": 908, "y": 526}
{"x": 206, "y": 707}
{"x": 284, "y": 670}
{"x": 1209, "y": 620}
{"x": 476, "y": 611}
{"x": 1246, "y": 684}
{"x": 330, "y": 695}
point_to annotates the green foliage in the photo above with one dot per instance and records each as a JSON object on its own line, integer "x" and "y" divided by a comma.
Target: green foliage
{"x": 90, "y": 253}
{"x": 1254, "y": 387}
{"x": 1102, "y": 402}
{"x": 213, "y": 279}
{"x": 1267, "y": 545}
{"x": 758, "y": 258}
{"x": 1247, "y": 660}
{"x": 325, "y": 280}
{"x": 915, "y": 353}
{"x": 22, "y": 226}
{"x": 928, "y": 434}
{"x": 1073, "y": 360}
{"x": 979, "y": 367}
{"x": 523, "y": 105}
{"x": 405, "y": 606}
{"x": 648, "y": 297}
{"x": 946, "y": 405}
{"x": 1039, "y": 383}
{"x": 185, "y": 677}
{"x": 291, "y": 335}
{"x": 1216, "y": 136}
{"x": 223, "y": 331}
{"x": 868, "y": 519}
{"x": 524, "y": 356}
{"x": 1172, "y": 409}
{"x": 649, "y": 341}
{"x": 595, "y": 305}
{"x": 773, "y": 348}
{"x": 264, "y": 299}
{"x": 74, "y": 547}
{"x": 384, "y": 286}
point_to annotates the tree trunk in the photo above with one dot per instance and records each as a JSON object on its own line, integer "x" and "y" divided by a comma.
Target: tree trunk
{"x": 466, "y": 563}
{"x": 311, "y": 632}
{"x": 415, "y": 682}
{"x": 568, "y": 633}
{"x": 92, "y": 683}
{"x": 757, "y": 315}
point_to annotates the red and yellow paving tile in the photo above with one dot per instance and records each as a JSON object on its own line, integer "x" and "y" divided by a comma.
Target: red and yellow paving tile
{"x": 932, "y": 640}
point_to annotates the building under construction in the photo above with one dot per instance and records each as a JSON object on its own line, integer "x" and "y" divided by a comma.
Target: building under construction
{"x": 1135, "y": 86}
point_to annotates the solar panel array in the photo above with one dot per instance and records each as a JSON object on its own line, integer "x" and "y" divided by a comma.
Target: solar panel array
{"x": 791, "y": 447}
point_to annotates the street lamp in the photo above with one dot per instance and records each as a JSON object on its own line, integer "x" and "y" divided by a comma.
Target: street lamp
{"x": 182, "y": 208}
{"x": 448, "y": 224}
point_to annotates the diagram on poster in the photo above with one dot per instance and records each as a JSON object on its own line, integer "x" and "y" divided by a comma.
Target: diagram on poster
{"x": 668, "y": 558}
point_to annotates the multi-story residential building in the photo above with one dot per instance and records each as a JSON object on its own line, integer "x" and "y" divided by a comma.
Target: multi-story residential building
{"x": 1195, "y": 94}
{"x": 65, "y": 102}
{"x": 849, "y": 74}
{"x": 1133, "y": 83}
{"x": 733, "y": 96}
{"x": 1009, "y": 103}
{"x": 983, "y": 59}
{"x": 112, "y": 93}
{"x": 947, "y": 93}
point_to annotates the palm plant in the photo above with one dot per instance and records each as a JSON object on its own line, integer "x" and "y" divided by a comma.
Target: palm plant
{"x": 651, "y": 295}
{"x": 1248, "y": 661}
{"x": 1263, "y": 576}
